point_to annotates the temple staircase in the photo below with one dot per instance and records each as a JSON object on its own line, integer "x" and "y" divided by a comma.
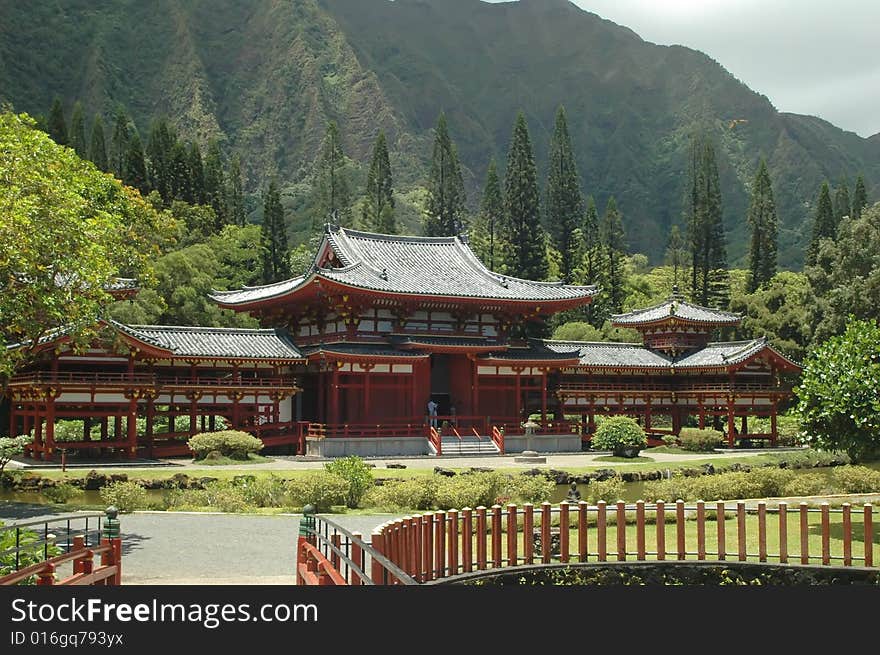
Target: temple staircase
{"x": 462, "y": 444}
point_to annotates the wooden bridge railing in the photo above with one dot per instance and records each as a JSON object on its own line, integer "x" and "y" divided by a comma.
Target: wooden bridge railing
{"x": 94, "y": 556}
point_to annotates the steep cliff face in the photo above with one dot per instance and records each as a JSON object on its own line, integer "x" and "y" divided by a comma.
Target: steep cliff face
{"x": 265, "y": 77}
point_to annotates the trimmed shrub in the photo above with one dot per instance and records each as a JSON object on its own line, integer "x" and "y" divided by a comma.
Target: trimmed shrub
{"x": 771, "y": 481}
{"x": 231, "y": 443}
{"x": 806, "y": 484}
{"x": 358, "y": 475}
{"x": 621, "y": 435}
{"x": 700, "y": 441}
{"x": 221, "y": 496}
{"x": 126, "y": 496}
{"x": 855, "y": 479}
{"x": 469, "y": 490}
{"x": 61, "y": 492}
{"x": 318, "y": 488}
{"x": 261, "y": 492}
{"x": 530, "y": 488}
{"x": 610, "y": 490}
{"x": 414, "y": 493}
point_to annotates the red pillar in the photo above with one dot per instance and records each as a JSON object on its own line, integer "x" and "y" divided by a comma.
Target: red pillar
{"x": 475, "y": 388}
{"x": 731, "y": 423}
{"x": 151, "y": 413}
{"x": 702, "y": 416}
{"x": 131, "y": 422}
{"x": 334, "y": 398}
{"x": 322, "y": 397}
{"x": 773, "y": 432}
{"x": 367, "y": 369}
{"x": 50, "y": 425}
{"x": 518, "y": 396}
{"x": 544, "y": 398}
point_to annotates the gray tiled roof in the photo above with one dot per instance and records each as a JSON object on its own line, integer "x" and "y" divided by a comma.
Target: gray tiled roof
{"x": 612, "y": 354}
{"x": 679, "y": 309}
{"x": 233, "y": 343}
{"x": 536, "y": 350}
{"x": 722, "y": 353}
{"x": 374, "y": 349}
{"x": 121, "y": 284}
{"x": 438, "y": 266}
{"x": 474, "y": 342}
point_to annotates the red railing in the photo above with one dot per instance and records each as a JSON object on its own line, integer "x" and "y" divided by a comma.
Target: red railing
{"x": 312, "y": 568}
{"x": 105, "y": 378}
{"x": 498, "y": 438}
{"x": 707, "y": 387}
{"x": 436, "y": 441}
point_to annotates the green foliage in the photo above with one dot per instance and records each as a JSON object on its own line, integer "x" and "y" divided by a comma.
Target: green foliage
{"x": 530, "y": 488}
{"x": 231, "y": 443}
{"x": 856, "y": 479}
{"x": 577, "y": 331}
{"x": 331, "y": 180}
{"x": 610, "y": 490}
{"x": 470, "y": 490}
{"x": 619, "y": 434}
{"x": 824, "y": 223}
{"x": 860, "y": 198}
{"x": 274, "y": 237}
{"x": 127, "y": 496}
{"x": 67, "y": 229}
{"x": 31, "y": 550}
{"x": 413, "y": 493}
{"x": 235, "y": 194}
{"x": 839, "y": 393}
{"x": 762, "y": 221}
{"x": 807, "y": 484}
{"x": 485, "y": 231}
{"x": 56, "y": 123}
{"x": 524, "y": 255}
{"x": 320, "y": 488}
{"x": 378, "y": 206}
{"x": 700, "y": 441}
{"x": 11, "y": 447}
{"x": 97, "y": 145}
{"x": 221, "y": 496}
{"x": 842, "y": 205}
{"x": 134, "y": 174}
{"x": 77, "y": 133}
{"x": 61, "y": 492}
{"x": 612, "y": 272}
{"x": 358, "y": 475}
{"x": 565, "y": 203}
{"x": 446, "y": 199}
{"x": 709, "y": 280}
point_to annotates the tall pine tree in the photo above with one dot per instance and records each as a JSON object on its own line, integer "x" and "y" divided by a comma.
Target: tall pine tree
{"x": 762, "y": 220}
{"x": 710, "y": 283}
{"x": 274, "y": 237}
{"x": 178, "y": 174}
{"x": 526, "y": 256}
{"x": 56, "y": 123}
{"x": 824, "y": 225}
{"x": 235, "y": 210}
{"x": 565, "y": 203}
{"x": 331, "y": 181}
{"x": 196, "y": 173}
{"x": 119, "y": 143}
{"x": 378, "y": 207}
{"x": 676, "y": 255}
{"x": 445, "y": 205}
{"x": 77, "y": 134}
{"x": 590, "y": 269}
{"x": 135, "y": 173}
{"x": 97, "y": 145}
{"x": 860, "y": 198}
{"x": 215, "y": 193}
{"x": 841, "y": 203}
{"x": 485, "y": 231}
{"x": 613, "y": 254}
{"x": 159, "y": 152}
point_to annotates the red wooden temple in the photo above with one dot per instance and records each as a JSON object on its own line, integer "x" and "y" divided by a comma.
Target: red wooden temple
{"x": 354, "y": 349}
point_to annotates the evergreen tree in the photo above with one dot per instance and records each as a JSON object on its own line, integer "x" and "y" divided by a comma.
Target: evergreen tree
{"x": 135, "y": 173}
{"x": 445, "y": 205}
{"x": 590, "y": 271}
{"x": 77, "y": 133}
{"x": 159, "y": 152}
{"x": 119, "y": 143}
{"x": 331, "y": 180}
{"x": 378, "y": 207}
{"x": 860, "y": 198}
{"x": 215, "y": 194}
{"x": 97, "y": 145}
{"x": 676, "y": 254}
{"x": 274, "y": 237}
{"x": 565, "y": 203}
{"x": 824, "y": 225}
{"x": 235, "y": 210}
{"x": 710, "y": 283}
{"x": 196, "y": 173}
{"x": 526, "y": 256}
{"x": 841, "y": 203}
{"x": 613, "y": 254}
{"x": 485, "y": 232}
{"x": 56, "y": 124}
{"x": 762, "y": 221}
{"x": 179, "y": 174}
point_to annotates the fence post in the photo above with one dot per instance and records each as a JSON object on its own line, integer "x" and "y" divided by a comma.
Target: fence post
{"x": 660, "y": 520}
{"x": 439, "y": 544}
{"x": 701, "y": 530}
{"x": 680, "y": 544}
{"x": 467, "y": 540}
{"x": 453, "y": 541}
{"x": 601, "y": 530}
{"x": 583, "y": 553}
{"x": 783, "y": 533}
{"x": 481, "y": 538}
{"x": 512, "y": 557}
{"x": 826, "y": 535}
{"x": 529, "y": 533}
{"x": 563, "y": 532}
{"x": 847, "y": 535}
{"x": 805, "y": 534}
{"x": 356, "y": 555}
{"x": 640, "y": 530}
{"x": 78, "y": 545}
{"x": 741, "y": 531}
{"x": 762, "y": 531}
{"x": 721, "y": 511}
{"x": 869, "y": 534}
{"x": 621, "y": 531}
{"x": 545, "y": 533}
{"x": 496, "y": 536}
{"x": 47, "y": 575}
{"x": 427, "y": 547}
{"x": 377, "y": 543}
{"x": 111, "y": 537}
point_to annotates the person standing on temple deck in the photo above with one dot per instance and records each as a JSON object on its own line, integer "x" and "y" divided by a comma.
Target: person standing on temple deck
{"x": 432, "y": 412}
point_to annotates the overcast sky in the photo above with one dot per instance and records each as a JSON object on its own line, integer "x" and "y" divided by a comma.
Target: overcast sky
{"x": 819, "y": 57}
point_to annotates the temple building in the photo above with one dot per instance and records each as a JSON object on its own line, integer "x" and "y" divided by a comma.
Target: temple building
{"x": 382, "y": 329}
